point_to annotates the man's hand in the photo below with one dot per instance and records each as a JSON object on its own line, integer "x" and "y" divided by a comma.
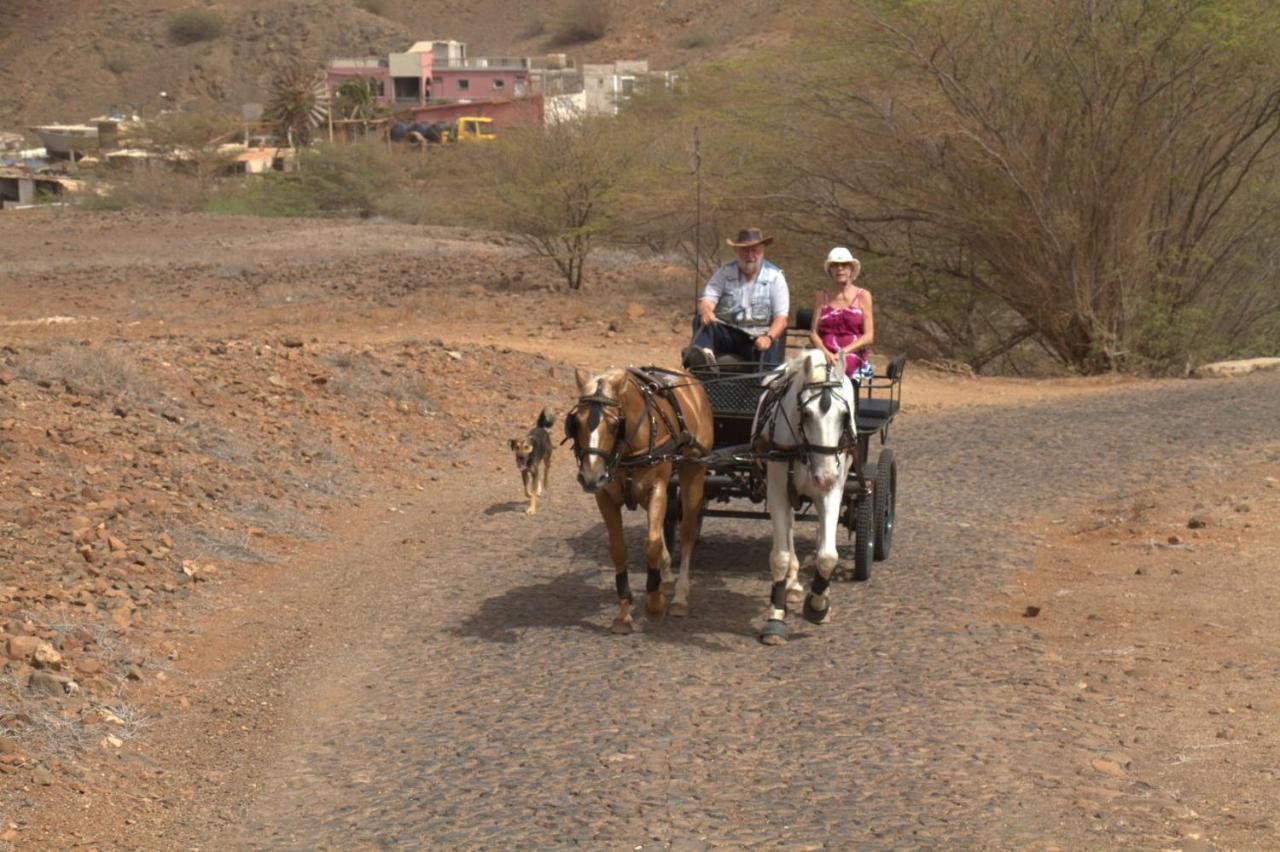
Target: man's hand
{"x": 707, "y": 313}
{"x": 763, "y": 342}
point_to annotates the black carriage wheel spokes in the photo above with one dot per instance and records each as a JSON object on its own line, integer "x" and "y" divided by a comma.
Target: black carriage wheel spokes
{"x": 885, "y": 502}
{"x": 864, "y": 535}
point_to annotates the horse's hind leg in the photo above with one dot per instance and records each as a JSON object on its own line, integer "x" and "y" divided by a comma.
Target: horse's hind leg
{"x": 612, "y": 514}
{"x": 656, "y": 558}
{"x": 781, "y": 556}
{"x": 692, "y": 476}
{"x": 795, "y": 591}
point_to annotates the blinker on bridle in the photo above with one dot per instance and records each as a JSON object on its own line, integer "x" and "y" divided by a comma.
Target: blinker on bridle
{"x": 595, "y": 404}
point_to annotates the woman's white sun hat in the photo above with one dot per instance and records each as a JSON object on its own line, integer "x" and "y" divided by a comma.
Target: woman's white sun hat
{"x": 840, "y": 254}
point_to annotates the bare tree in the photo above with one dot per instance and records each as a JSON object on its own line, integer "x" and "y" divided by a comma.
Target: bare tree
{"x": 561, "y": 187}
{"x": 1095, "y": 173}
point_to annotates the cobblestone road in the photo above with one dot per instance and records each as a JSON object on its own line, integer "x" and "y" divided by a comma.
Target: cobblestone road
{"x": 486, "y": 704}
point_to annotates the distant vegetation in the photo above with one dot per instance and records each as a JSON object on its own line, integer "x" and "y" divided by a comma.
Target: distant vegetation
{"x": 375, "y": 7}
{"x": 194, "y": 25}
{"x": 582, "y": 21}
{"x": 1081, "y": 185}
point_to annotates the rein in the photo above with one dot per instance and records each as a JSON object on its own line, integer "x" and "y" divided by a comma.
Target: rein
{"x": 652, "y": 389}
{"x": 765, "y": 449}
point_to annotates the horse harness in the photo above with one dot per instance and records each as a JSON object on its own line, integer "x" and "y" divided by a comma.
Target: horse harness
{"x": 653, "y": 384}
{"x": 764, "y": 448}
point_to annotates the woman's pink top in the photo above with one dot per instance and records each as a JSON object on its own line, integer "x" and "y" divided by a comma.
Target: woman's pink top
{"x": 838, "y": 327}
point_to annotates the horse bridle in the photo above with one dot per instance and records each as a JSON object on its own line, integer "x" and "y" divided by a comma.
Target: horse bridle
{"x": 596, "y": 404}
{"x": 825, "y": 389}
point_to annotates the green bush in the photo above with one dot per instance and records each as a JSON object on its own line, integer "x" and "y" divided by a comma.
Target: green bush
{"x": 582, "y": 21}
{"x": 194, "y": 25}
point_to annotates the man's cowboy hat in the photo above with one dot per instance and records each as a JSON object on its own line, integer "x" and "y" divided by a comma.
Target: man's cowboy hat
{"x": 748, "y": 237}
{"x": 840, "y": 254}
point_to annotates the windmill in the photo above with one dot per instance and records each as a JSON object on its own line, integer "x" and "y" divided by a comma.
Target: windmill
{"x": 299, "y": 103}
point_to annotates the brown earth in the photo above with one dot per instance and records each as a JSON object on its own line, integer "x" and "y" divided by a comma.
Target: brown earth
{"x": 75, "y": 59}
{"x": 230, "y": 445}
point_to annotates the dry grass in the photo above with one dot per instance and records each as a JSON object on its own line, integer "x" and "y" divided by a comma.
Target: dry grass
{"x": 90, "y": 370}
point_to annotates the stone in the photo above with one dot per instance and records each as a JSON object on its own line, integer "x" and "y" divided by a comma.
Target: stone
{"x": 1197, "y": 522}
{"x": 42, "y": 776}
{"x": 1107, "y": 767}
{"x": 23, "y": 647}
{"x": 52, "y": 684}
{"x": 46, "y": 657}
{"x": 635, "y": 311}
{"x": 1227, "y": 369}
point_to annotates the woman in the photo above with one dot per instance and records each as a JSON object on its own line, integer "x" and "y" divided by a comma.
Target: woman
{"x": 843, "y": 326}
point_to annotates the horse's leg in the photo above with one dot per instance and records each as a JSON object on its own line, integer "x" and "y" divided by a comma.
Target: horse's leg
{"x": 656, "y": 557}
{"x": 817, "y": 607}
{"x": 781, "y": 555}
{"x": 692, "y": 477}
{"x": 795, "y": 591}
{"x": 612, "y": 514}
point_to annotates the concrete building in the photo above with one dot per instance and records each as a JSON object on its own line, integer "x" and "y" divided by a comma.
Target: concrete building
{"x": 608, "y": 86}
{"x": 432, "y": 72}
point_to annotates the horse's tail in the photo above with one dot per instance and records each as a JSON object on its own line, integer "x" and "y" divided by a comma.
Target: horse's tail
{"x": 547, "y": 418}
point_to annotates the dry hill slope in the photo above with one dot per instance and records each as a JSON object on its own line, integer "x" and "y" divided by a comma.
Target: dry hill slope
{"x": 73, "y": 59}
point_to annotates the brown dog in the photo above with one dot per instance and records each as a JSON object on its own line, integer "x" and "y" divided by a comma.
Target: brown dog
{"x": 533, "y": 458}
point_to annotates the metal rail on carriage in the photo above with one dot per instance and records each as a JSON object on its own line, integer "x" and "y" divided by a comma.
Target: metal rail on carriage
{"x": 736, "y": 473}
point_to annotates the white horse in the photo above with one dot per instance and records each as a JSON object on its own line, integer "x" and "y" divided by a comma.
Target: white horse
{"x": 805, "y": 427}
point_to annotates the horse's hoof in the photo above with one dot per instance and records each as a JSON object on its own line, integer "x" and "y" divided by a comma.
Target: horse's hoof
{"x": 814, "y": 615}
{"x": 531, "y": 511}
{"x": 655, "y": 605}
{"x": 679, "y": 610}
{"x": 621, "y": 627}
{"x": 773, "y": 633}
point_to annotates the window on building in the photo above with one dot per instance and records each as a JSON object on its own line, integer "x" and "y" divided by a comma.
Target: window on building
{"x": 464, "y": 85}
{"x": 498, "y": 84}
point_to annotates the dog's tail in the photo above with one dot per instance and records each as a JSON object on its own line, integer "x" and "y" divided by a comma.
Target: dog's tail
{"x": 547, "y": 418}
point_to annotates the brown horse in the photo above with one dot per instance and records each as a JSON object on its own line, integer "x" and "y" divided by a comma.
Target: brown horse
{"x": 629, "y": 429}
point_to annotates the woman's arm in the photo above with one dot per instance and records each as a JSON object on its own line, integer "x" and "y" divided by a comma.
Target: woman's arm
{"x": 820, "y": 299}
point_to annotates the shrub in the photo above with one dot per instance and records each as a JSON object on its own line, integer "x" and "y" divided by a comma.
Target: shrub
{"x": 693, "y": 41}
{"x": 582, "y": 21}
{"x": 116, "y": 64}
{"x": 373, "y": 7}
{"x": 193, "y": 25}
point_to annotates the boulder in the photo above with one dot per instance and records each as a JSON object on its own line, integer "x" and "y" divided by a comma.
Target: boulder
{"x": 1226, "y": 369}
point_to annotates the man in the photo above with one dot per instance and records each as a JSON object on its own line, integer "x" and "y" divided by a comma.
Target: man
{"x": 743, "y": 308}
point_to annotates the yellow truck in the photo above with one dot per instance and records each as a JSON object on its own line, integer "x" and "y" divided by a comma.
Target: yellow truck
{"x": 472, "y": 128}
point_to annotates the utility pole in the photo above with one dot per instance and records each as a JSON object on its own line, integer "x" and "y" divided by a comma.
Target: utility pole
{"x": 697, "y": 215}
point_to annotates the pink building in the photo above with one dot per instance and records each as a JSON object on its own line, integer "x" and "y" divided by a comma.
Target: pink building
{"x": 433, "y": 72}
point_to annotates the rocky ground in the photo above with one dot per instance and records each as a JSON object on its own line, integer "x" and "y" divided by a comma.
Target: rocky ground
{"x": 265, "y": 563}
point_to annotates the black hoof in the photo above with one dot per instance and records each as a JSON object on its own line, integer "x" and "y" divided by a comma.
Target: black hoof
{"x": 773, "y": 632}
{"x": 813, "y": 615}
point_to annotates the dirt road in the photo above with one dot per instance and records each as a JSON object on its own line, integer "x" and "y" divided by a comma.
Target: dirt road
{"x": 489, "y": 705}
{"x": 393, "y": 654}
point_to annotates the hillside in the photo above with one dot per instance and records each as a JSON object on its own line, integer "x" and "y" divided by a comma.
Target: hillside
{"x": 69, "y": 60}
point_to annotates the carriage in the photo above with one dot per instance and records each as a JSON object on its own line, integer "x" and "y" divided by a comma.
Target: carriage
{"x": 735, "y": 476}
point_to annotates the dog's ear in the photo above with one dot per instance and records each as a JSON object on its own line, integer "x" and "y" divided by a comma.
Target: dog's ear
{"x": 514, "y": 443}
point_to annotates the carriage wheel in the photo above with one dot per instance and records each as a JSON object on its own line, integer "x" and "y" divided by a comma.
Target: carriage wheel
{"x": 864, "y": 537}
{"x": 886, "y": 504}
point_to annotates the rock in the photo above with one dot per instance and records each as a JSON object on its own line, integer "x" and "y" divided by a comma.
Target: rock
{"x": 1226, "y": 369}
{"x": 616, "y": 325}
{"x": 87, "y": 666}
{"x": 291, "y": 342}
{"x": 52, "y": 684}
{"x": 454, "y": 355}
{"x": 46, "y": 657}
{"x": 1031, "y": 612}
{"x": 1196, "y": 522}
{"x": 42, "y": 776}
{"x": 23, "y": 647}
{"x": 1107, "y": 767}
{"x": 277, "y": 380}
{"x": 635, "y": 311}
